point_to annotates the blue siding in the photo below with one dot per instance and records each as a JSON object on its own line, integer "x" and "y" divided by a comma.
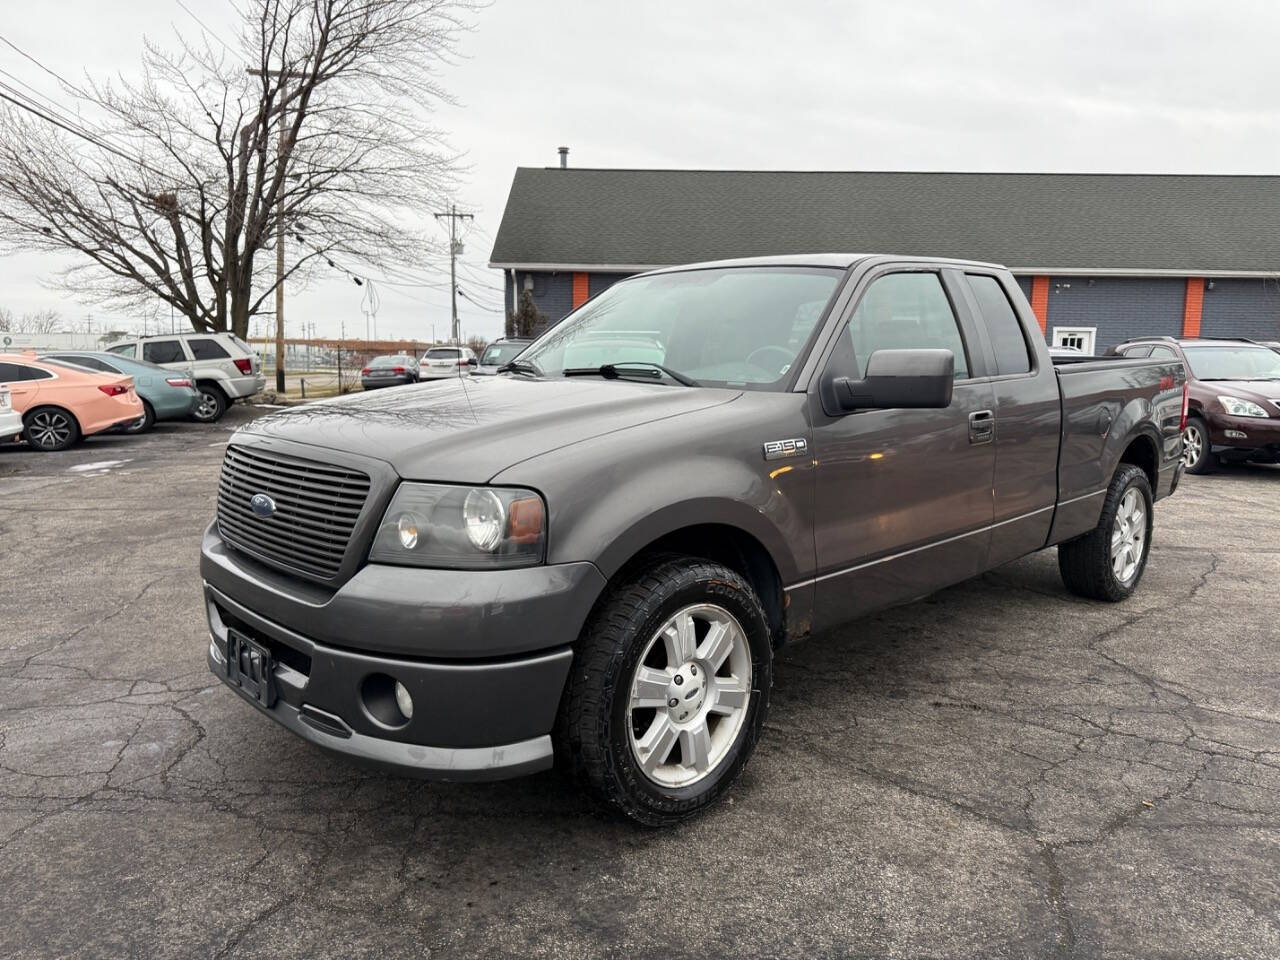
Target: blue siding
{"x": 600, "y": 282}
{"x": 1120, "y": 307}
{"x": 1242, "y": 308}
{"x": 1024, "y": 284}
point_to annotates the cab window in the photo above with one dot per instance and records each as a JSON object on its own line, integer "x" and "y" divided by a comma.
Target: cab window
{"x": 905, "y": 311}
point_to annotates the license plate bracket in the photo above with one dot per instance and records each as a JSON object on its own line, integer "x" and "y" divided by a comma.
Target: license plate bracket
{"x": 250, "y": 669}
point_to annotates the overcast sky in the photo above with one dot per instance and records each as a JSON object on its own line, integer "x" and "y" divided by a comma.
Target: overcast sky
{"x": 804, "y": 85}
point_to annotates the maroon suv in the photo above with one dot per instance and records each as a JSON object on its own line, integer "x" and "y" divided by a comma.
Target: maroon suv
{"x": 1234, "y": 391}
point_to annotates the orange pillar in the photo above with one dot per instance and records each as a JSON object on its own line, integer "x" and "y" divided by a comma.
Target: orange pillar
{"x": 579, "y": 290}
{"x": 1040, "y": 301}
{"x": 1192, "y": 307}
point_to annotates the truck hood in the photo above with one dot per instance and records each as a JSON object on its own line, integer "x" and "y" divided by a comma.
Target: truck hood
{"x": 468, "y": 430}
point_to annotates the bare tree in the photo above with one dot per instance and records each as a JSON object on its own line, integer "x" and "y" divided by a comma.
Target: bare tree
{"x": 40, "y": 321}
{"x": 321, "y": 114}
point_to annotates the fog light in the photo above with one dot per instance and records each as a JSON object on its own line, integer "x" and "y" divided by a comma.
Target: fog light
{"x": 404, "y": 701}
{"x": 1237, "y": 435}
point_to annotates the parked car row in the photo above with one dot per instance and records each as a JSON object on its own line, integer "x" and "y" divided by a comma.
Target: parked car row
{"x": 54, "y": 398}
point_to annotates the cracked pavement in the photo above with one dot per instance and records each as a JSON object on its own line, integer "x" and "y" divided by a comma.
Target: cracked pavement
{"x": 1000, "y": 770}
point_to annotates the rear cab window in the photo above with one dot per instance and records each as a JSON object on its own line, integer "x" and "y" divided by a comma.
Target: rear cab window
{"x": 1008, "y": 339}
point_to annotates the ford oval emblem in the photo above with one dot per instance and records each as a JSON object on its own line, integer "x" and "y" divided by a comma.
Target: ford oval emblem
{"x": 262, "y": 505}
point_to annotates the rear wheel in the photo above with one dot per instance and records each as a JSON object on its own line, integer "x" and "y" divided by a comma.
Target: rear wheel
{"x": 144, "y": 422}
{"x": 212, "y": 405}
{"x": 50, "y": 429}
{"x": 1107, "y": 563}
{"x": 1197, "y": 453}
{"x": 668, "y": 691}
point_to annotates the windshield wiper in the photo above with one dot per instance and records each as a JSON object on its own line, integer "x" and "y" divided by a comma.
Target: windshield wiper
{"x": 610, "y": 371}
{"x": 521, "y": 366}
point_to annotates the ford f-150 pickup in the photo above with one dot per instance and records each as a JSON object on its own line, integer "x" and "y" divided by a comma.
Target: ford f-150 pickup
{"x": 592, "y": 557}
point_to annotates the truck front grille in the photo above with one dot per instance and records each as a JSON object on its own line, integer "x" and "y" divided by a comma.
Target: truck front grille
{"x": 316, "y": 509}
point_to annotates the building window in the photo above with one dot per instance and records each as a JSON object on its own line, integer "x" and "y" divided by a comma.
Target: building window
{"x": 1081, "y": 338}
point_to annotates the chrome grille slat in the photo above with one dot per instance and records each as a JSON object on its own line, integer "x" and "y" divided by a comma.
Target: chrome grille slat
{"x": 317, "y": 508}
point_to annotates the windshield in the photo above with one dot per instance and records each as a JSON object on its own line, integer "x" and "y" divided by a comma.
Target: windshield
{"x": 731, "y": 327}
{"x": 1233, "y": 363}
{"x": 444, "y": 353}
{"x": 500, "y": 353}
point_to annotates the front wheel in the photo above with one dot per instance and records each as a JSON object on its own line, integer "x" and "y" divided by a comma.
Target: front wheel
{"x": 668, "y": 691}
{"x": 1107, "y": 562}
{"x": 1197, "y": 453}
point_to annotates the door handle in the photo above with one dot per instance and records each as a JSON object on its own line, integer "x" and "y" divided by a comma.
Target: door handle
{"x": 982, "y": 426}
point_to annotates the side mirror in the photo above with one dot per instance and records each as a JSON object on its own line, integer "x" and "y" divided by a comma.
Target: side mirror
{"x": 473, "y": 362}
{"x": 895, "y": 379}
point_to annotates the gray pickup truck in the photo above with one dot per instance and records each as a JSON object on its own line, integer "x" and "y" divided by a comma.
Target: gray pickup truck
{"x": 592, "y": 557}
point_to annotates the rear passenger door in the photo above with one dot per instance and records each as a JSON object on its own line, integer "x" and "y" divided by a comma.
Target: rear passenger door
{"x": 1028, "y": 418}
{"x": 903, "y": 497}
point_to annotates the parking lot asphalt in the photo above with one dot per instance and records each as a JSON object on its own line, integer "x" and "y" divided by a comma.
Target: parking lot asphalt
{"x": 1001, "y": 770}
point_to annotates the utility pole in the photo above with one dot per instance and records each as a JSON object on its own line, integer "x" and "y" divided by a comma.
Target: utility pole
{"x": 455, "y": 247}
{"x": 281, "y": 151}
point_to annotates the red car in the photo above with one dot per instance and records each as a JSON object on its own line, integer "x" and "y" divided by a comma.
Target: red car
{"x": 1234, "y": 393}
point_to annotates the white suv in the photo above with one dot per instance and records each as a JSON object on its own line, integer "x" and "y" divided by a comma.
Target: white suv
{"x": 10, "y": 419}
{"x": 226, "y": 369}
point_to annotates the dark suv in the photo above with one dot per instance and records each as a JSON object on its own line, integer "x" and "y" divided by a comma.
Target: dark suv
{"x": 1234, "y": 395}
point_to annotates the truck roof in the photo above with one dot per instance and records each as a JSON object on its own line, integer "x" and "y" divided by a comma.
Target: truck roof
{"x": 841, "y": 260}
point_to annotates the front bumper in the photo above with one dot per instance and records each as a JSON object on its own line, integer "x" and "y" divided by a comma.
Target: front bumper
{"x": 1260, "y": 440}
{"x": 483, "y": 655}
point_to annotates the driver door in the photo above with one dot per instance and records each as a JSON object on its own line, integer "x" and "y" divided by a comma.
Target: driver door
{"x": 904, "y": 497}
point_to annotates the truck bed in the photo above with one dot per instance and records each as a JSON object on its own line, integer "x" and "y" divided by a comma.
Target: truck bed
{"x": 1103, "y": 400}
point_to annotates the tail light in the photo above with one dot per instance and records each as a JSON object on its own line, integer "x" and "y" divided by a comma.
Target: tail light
{"x": 113, "y": 389}
{"x": 462, "y": 362}
{"x": 178, "y": 382}
{"x": 1186, "y": 402}
{"x": 365, "y": 372}
{"x": 243, "y": 364}
{"x": 397, "y": 369}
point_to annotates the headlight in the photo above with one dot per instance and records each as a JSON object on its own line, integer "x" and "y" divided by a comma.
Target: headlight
{"x": 434, "y": 525}
{"x": 1241, "y": 408}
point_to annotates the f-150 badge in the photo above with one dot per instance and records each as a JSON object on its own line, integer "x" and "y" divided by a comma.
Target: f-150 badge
{"x": 782, "y": 449}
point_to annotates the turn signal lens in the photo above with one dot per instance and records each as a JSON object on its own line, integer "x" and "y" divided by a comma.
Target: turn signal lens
{"x": 1186, "y": 403}
{"x": 527, "y": 520}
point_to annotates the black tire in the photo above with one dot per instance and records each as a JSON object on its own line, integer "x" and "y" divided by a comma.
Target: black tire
{"x": 1086, "y": 562}
{"x": 593, "y": 730}
{"x": 1197, "y": 437}
{"x": 143, "y": 423}
{"x": 50, "y": 429}
{"x": 213, "y": 403}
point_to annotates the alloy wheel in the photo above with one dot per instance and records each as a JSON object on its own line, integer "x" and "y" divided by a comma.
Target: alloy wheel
{"x": 207, "y": 409}
{"x": 50, "y": 429}
{"x": 689, "y": 695}
{"x": 1192, "y": 445}
{"x": 1128, "y": 536}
